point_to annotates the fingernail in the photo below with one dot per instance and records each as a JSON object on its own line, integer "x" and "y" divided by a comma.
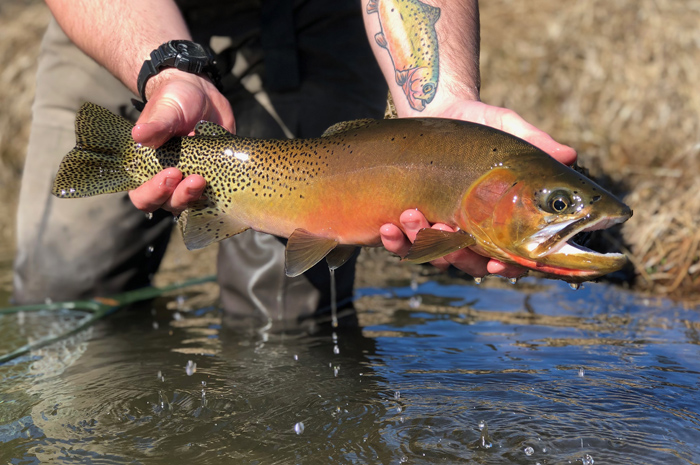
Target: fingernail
{"x": 170, "y": 182}
{"x": 195, "y": 193}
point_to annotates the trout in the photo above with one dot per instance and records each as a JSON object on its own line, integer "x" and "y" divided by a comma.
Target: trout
{"x": 504, "y": 197}
{"x": 408, "y": 34}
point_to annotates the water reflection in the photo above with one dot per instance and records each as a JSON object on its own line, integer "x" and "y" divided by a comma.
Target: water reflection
{"x": 464, "y": 374}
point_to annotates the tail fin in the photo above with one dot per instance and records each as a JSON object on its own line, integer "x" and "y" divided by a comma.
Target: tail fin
{"x": 100, "y": 161}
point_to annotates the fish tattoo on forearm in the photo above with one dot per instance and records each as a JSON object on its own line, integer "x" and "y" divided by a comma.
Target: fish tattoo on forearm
{"x": 408, "y": 34}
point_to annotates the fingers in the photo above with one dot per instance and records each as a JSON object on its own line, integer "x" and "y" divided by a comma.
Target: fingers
{"x": 398, "y": 240}
{"x": 166, "y": 191}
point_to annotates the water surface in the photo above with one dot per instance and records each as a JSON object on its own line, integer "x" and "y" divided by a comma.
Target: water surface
{"x": 436, "y": 373}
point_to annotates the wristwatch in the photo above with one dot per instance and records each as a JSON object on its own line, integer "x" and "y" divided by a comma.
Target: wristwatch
{"x": 184, "y": 55}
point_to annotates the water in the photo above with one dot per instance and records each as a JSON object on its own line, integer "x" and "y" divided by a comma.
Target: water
{"x": 526, "y": 374}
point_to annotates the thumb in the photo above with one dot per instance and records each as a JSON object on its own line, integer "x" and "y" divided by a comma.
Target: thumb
{"x": 516, "y": 125}
{"x": 160, "y": 120}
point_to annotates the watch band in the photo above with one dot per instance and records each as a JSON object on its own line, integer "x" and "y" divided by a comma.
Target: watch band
{"x": 184, "y": 55}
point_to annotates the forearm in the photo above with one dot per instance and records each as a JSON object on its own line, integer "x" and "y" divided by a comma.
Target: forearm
{"x": 120, "y": 34}
{"x": 423, "y": 47}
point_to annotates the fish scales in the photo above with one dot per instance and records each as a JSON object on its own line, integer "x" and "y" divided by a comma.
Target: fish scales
{"x": 506, "y": 198}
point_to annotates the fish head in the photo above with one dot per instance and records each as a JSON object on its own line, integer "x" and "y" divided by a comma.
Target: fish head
{"x": 528, "y": 211}
{"x": 420, "y": 87}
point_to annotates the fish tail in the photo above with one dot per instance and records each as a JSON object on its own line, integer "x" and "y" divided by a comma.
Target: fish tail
{"x": 102, "y": 160}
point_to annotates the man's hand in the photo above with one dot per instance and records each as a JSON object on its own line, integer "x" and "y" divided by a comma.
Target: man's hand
{"x": 177, "y": 101}
{"x": 398, "y": 239}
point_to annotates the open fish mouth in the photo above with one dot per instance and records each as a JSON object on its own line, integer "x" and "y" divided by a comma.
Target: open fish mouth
{"x": 557, "y": 240}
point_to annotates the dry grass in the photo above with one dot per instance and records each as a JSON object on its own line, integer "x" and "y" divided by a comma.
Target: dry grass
{"x": 612, "y": 78}
{"x": 616, "y": 80}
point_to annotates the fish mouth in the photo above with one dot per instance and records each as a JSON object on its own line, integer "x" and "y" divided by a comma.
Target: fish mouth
{"x": 553, "y": 248}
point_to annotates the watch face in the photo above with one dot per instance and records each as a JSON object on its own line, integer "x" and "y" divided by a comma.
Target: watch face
{"x": 191, "y": 49}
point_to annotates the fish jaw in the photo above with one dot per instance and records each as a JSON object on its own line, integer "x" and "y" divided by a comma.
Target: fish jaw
{"x": 564, "y": 259}
{"x": 420, "y": 87}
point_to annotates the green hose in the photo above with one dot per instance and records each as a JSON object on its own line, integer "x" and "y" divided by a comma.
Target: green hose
{"x": 98, "y": 307}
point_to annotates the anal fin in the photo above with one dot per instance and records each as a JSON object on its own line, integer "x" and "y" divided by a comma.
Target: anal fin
{"x": 203, "y": 223}
{"x": 304, "y": 250}
{"x": 433, "y": 243}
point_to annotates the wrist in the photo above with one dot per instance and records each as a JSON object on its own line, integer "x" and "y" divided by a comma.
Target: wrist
{"x": 446, "y": 104}
{"x": 183, "y": 55}
{"x": 169, "y": 75}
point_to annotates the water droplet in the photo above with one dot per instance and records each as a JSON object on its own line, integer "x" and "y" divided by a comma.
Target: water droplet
{"x": 149, "y": 215}
{"x": 48, "y": 301}
{"x": 513, "y": 280}
{"x": 581, "y": 372}
{"x": 190, "y": 368}
{"x": 149, "y": 250}
{"x": 336, "y": 369}
{"x": 155, "y": 325}
{"x": 484, "y": 439}
{"x": 403, "y": 459}
{"x": 204, "y": 384}
{"x": 415, "y": 301}
{"x": 177, "y": 316}
{"x": 478, "y": 280}
{"x": 63, "y": 192}
{"x": 159, "y": 374}
{"x": 335, "y": 338}
{"x": 399, "y": 409}
{"x": 529, "y": 451}
{"x": 414, "y": 282}
{"x": 397, "y": 395}
{"x": 336, "y": 350}
{"x": 575, "y": 286}
{"x": 296, "y": 357}
{"x": 299, "y": 428}
{"x": 587, "y": 460}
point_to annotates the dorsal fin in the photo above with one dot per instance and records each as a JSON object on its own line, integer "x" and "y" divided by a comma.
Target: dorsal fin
{"x": 344, "y": 126}
{"x": 207, "y": 128}
{"x": 434, "y": 243}
{"x": 431, "y": 12}
{"x": 203, "y": 223}
{"x": 304, "y": 250}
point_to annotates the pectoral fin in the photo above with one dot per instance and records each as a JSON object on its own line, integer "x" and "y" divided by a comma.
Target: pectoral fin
{"x": 207, "y": 128}
{"x": 433, "y": 243}
{"x": 402, "y": 76}
{"x": 338, "y": 256}
{"x": 203, "y": 223}
{"x": 304, "y": 250}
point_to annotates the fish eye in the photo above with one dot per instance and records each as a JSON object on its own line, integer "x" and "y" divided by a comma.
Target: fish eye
{"x": 559, "y": 203}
